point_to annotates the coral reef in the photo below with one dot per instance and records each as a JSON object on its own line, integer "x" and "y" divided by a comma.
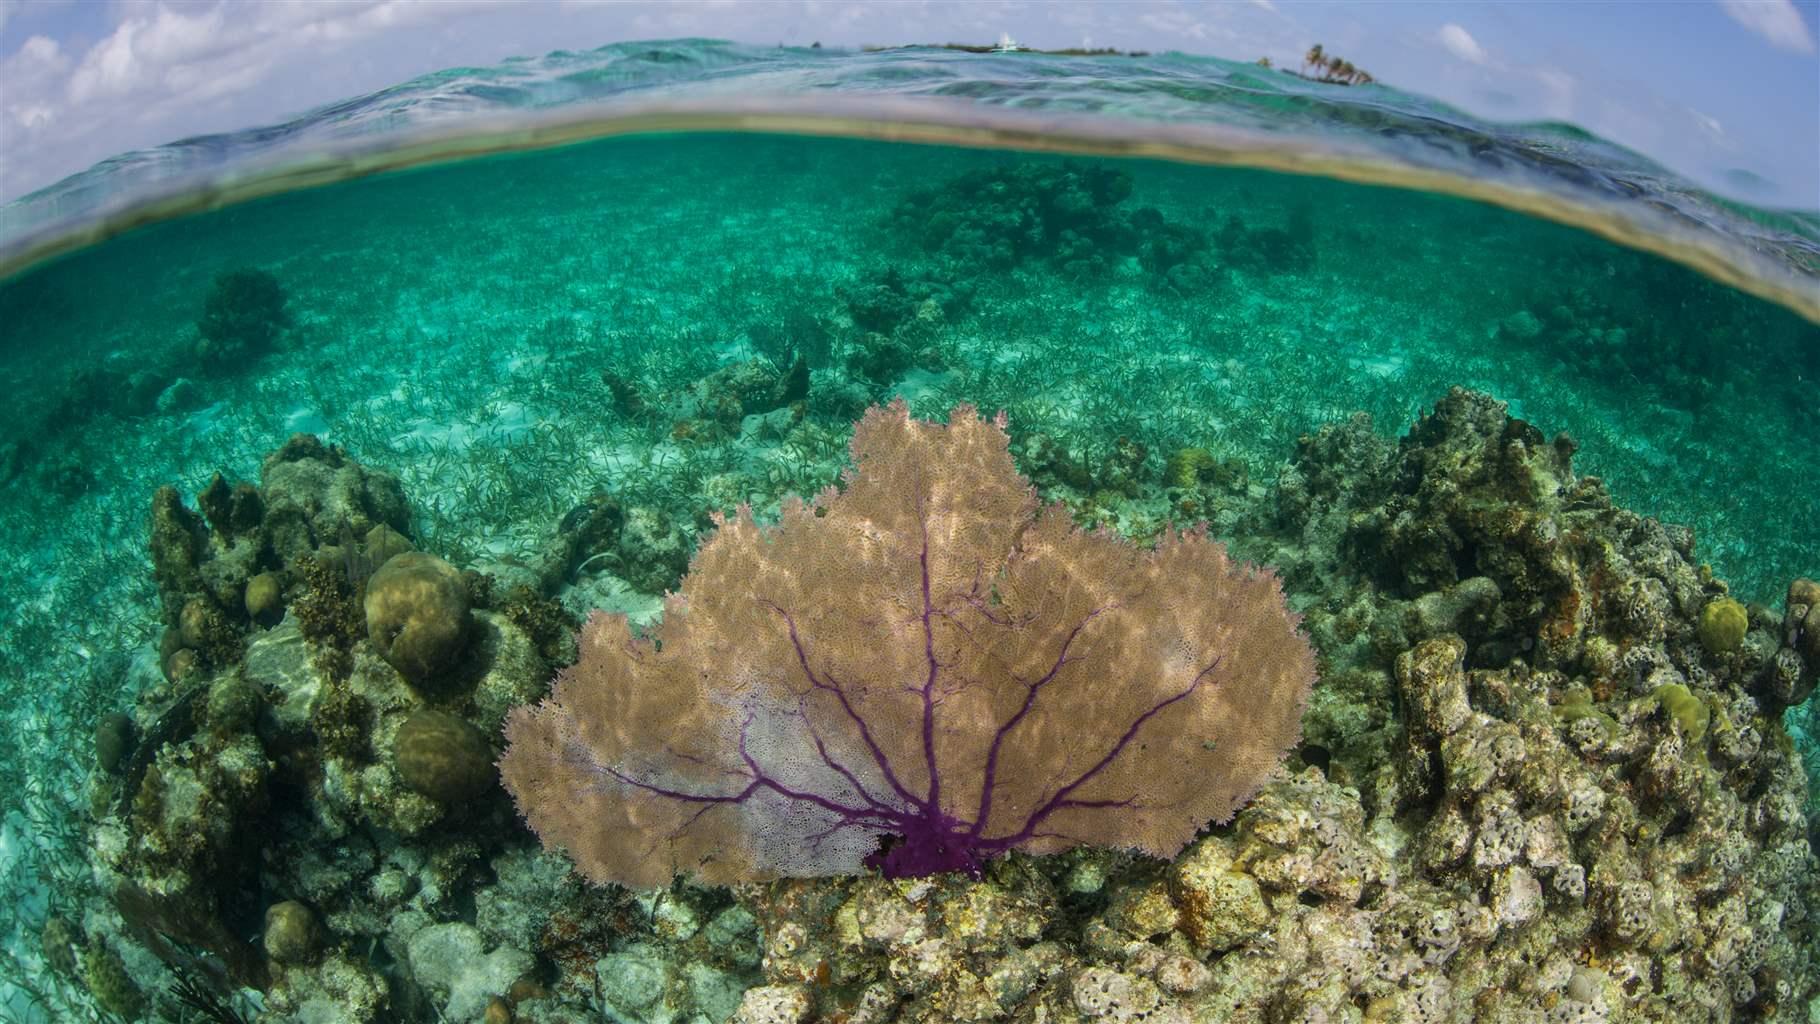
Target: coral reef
{"x": 1544, "y": 777}
{"x": 242, "y": 317}
{"x": 1063, "y": 214}
{"x": 888, "y": 299}
{"x": 244, "y": 314}
{"x": 1286, "y": 250}
{"x": 443, "y": 757}
{"x": 1529, "y": 792}
{"x": 315, "y": 775}
{"x": 312, "y": 502}
{"x": 1572, "y": 748}
{"x": 1671, "y": 335}
{"x": 717, "y": 405}
{"x": 1071, "y": 218}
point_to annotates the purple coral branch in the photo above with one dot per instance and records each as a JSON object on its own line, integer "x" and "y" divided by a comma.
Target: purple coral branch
{"x": 759, "y": 778}
{"x": 998, "y": 739}
{"x": 834, "y": 687}
{"x": 686, "y": 797}
{"x": 879, "y": 815}
{"x": 1059, "y": 798}
{"x": 821, "y": 748}
{"x": 935, "y": 777}
{"x": 980, "y": 606}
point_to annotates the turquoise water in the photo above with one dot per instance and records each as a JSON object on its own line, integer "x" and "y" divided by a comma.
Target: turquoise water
{"x": 557, "y": 366}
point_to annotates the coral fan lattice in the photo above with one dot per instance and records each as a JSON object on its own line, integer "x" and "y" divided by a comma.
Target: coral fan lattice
{"x": 915, "y": 672}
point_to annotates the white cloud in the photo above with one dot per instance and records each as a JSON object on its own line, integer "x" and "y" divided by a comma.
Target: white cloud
{"x": 110, "y": 68}
{"x": 169, "y": 51}
{"x": 168, "y": 70}
{"x": 1461, "y": 44}
{"x": 43, "y": 52}
{"x": 1778, "y": 21}
{"x": 30, "y": 77}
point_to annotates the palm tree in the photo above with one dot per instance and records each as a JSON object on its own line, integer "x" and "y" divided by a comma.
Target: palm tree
{"x": 1315, "y": 56}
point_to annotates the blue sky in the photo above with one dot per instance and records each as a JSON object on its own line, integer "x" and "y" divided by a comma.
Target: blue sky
{"x": 1725, "y": 91}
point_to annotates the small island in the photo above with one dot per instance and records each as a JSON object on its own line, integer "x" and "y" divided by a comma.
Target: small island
{"x": 1331, "y": 69}
{"x": 1317, "y": 64}
{"x": 1008, "y": 45}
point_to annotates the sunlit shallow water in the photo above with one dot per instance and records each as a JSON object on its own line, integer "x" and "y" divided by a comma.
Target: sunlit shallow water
{"x": 515, "y": 335}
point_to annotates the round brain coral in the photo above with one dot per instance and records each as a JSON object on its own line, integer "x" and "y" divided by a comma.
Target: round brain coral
{"x": 417, "y": 615}
{"x": 442, "y": 757}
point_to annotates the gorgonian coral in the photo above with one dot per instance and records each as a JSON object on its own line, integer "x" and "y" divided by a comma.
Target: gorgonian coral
{"x": 916, "y": 671}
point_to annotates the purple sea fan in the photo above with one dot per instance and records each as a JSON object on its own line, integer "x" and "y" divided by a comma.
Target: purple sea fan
{"x": 917, "y": 672}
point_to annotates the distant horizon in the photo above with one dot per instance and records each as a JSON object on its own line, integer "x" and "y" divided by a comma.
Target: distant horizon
{"x": 1725, "y": 94}
{"x": 1298, "y": 71}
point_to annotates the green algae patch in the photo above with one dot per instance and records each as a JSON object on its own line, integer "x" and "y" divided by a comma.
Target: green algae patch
{"x": 1688, "y": 711}
{"x": 1576, "y": 704}
{"x": 1187, "y": 466}
{"x": 107, "y": 980}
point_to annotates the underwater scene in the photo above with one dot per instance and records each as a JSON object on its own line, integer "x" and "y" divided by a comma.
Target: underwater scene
{"x": 710, "y": 563}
